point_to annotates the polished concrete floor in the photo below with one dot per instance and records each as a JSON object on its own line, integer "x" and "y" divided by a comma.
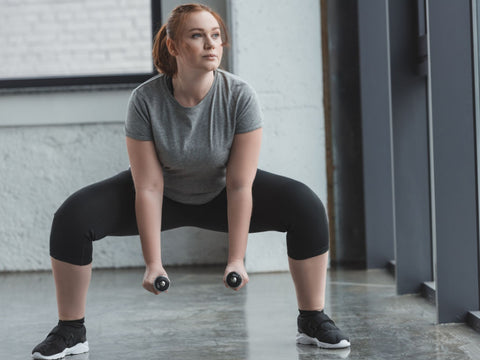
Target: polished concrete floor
{"x": 200, "y": 319}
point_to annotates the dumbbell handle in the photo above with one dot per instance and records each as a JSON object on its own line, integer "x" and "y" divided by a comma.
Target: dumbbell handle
{"x": 234, "y": 279}
{"x": 161, "y": 283}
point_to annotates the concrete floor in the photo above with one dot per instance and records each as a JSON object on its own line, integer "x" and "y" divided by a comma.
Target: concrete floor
{"x": 200, "y": 319}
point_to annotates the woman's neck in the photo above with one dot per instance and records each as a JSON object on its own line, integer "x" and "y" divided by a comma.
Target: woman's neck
{"x": 190, "y": 89}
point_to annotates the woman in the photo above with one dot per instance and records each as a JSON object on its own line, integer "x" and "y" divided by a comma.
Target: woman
{"x": 193, "y": 139}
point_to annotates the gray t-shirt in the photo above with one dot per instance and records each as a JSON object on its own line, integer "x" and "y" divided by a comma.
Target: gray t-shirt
{"x": 193, "y": 143}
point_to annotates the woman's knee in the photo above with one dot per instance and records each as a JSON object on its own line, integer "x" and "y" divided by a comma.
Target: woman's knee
{"x": 303, "y": 202}
{"x": 71, "y": 236}
{"x": 308, "y": 229}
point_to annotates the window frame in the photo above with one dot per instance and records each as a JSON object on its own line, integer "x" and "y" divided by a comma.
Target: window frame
{"x": 84, "y": 82}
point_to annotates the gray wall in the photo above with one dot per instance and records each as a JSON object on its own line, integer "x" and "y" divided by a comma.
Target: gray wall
{"x": 52, "y": 144}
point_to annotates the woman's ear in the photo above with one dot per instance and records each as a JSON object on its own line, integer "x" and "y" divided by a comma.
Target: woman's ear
{"x": 171, "y": 47}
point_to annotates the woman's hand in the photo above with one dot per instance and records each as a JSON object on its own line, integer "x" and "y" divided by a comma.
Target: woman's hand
{"x": 239, "y": 268}
{"x": 152, "y": 271}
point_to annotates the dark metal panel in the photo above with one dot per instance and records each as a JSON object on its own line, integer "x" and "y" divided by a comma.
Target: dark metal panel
{"x": 454, "y": 159}
{"x": 345, "y": 160}
{"x": 413, "y": 251}
{"x": 376, "y": 131}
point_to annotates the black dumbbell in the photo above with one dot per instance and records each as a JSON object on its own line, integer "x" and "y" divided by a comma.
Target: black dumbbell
{"x": 161, "y": 283}
{"x": 234, "y": 280}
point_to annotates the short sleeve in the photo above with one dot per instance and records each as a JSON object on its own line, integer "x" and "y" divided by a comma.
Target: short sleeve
{"x": 137, "y": 124}
{"x": 249, "y": 115}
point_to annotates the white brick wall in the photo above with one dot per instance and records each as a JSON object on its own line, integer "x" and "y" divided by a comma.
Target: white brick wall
{"x": 40, "y": 38}
{"x": 278, "y": 51}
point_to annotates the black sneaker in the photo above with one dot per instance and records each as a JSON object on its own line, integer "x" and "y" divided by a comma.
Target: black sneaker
{"x": 321, "y": 331}
{"x": 62, "y": 341}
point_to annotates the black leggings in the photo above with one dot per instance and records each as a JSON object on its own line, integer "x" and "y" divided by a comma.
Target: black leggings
{"x": 107, "y": 208}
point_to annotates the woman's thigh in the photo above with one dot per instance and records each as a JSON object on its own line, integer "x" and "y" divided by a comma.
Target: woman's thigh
{"x": 92, "y": 213}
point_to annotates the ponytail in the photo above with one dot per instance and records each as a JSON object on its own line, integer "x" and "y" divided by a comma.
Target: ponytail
{"x": 162, "y": 60}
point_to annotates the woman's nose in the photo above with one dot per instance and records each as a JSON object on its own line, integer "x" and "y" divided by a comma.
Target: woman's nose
{"x": 209, "y": 43}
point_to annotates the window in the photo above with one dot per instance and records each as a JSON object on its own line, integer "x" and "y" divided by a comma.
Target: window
{"x": 52, "y": 44}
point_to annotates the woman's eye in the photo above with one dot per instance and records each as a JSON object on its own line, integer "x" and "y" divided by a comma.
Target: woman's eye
{"x": 215, "y": 36}
{"x": 197, "y": 35}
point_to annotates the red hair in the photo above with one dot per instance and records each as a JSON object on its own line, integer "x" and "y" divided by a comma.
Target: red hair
{"x": 162, "y": 59}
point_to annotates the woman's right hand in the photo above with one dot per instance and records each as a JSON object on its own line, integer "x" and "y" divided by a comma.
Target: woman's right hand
{"x": 152, "y": 271}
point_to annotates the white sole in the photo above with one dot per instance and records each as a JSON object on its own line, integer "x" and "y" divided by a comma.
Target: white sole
{"x": 80, "y": 348}
{"x": 307, "y": 340}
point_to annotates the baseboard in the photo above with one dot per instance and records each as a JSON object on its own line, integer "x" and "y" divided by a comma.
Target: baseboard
{"x": 428, "y": 291}
{"x": 391, "y": 267}
{"x": 473, "y": 320}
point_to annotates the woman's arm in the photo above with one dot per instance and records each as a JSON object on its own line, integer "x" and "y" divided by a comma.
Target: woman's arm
{"x": 148, "y": 179}
{"x": 241, "y": 171}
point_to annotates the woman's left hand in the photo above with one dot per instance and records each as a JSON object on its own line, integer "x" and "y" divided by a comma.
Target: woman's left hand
{"x": 239, "y": 268}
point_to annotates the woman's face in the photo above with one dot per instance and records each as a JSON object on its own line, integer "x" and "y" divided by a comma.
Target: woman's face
{"x": 200, "y": 46}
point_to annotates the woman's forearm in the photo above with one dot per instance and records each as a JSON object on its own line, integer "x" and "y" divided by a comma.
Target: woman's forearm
{"x": 239, "y": 202}
{"x": 148, "y": 208}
